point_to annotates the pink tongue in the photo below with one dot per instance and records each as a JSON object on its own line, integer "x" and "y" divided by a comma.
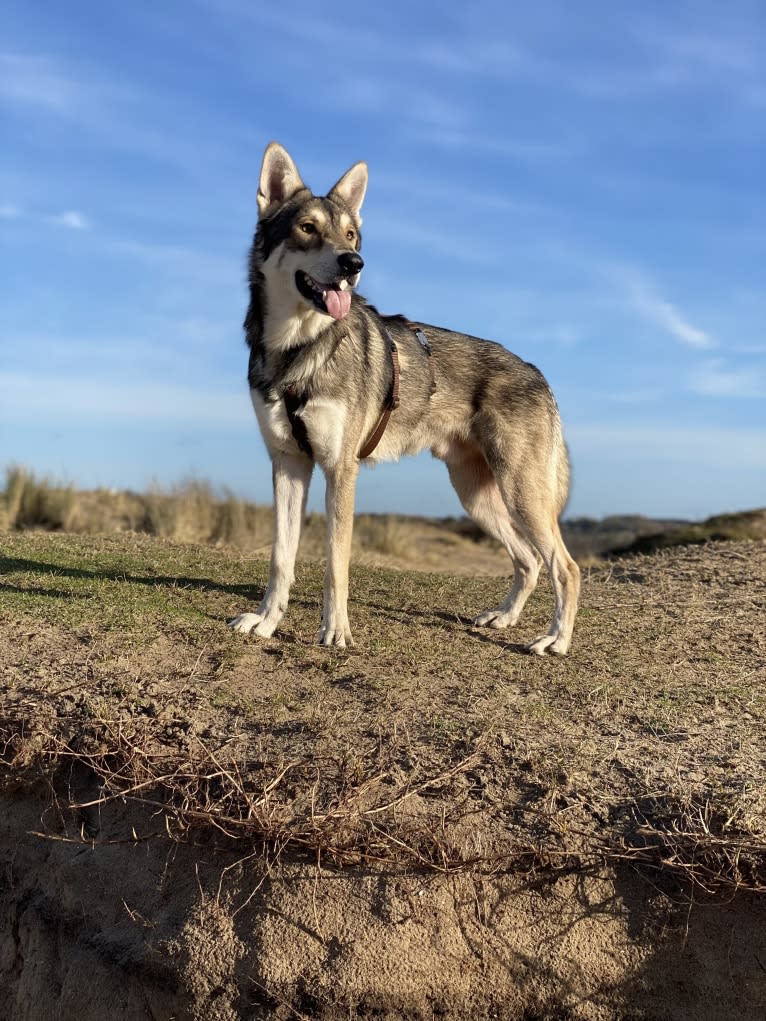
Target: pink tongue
{"x": 338, "y": 302}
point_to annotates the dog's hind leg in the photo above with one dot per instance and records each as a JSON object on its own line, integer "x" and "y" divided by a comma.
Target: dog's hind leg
{"x": 533, "y": 507}
{"x": 291, "y": 476}
{"x": 564, "y": 573}
{"x": 480, "y": 496}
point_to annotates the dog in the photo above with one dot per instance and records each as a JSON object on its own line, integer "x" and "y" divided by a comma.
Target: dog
{"x": 335, "y": 383}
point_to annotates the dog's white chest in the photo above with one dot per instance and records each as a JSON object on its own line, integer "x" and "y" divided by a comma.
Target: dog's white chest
{"x": 323, "y": 418}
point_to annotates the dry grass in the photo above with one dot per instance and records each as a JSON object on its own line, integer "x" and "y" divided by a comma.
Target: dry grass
{"x": 340, "y": 813}
{"x": 189, "y": 512}
{"x": 32, "y": 502}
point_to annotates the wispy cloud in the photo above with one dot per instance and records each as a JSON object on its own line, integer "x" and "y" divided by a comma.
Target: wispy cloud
{"x": 665, "y": 314}
{"x": 72, "y": 219}
{"x": 702, "y": 446}
{"x": 176, "y": 348}
{"x": 404, "y": 232}
{"x": 725, "y": 60}
{"x": 39, "y": 398}
{"x": 638, "y": 396}
{"x": 715, "y": 379}
{"x": 666, "y": 469}
{"x": 500, "y": 143}
{"x": 126, "y": 115}
{"x": 655, "y": 308}
{"x": 36, "y": 81}
{"x": 191, "y": 263}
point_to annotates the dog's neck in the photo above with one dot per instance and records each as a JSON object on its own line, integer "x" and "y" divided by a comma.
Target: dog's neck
{"x": 288, "y": 349}
{"x": 292, "y": 325}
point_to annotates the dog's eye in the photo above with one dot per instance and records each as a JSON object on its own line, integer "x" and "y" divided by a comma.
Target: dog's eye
{"x": 308, "y": 227}
{"x": 350, "y": 234}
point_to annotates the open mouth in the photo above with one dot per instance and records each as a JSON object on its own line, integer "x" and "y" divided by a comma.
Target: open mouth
{"x": 328, "y": 298}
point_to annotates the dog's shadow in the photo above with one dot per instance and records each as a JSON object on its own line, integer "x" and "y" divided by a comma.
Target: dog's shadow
{"x": 9, "y": 565}
{"x": 435, "y": 619}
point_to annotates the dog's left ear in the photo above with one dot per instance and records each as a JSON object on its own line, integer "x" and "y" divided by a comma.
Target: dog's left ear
{"x": 351, "y": 188}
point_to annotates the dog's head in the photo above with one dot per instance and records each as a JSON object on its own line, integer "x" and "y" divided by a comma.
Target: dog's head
{"x": 308, "y": 246}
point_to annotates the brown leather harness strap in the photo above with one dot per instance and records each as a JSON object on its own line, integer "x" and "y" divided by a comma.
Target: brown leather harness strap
{"x": 392, "y": 402}
{"x": 295, "y": 401}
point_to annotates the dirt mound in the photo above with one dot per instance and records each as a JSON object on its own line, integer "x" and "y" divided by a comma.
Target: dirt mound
{"x": 432, "y": 824}
{"x": 130, "y": 930}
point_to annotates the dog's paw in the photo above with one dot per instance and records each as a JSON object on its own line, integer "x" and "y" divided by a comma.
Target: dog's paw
{"x": 497, "y": 618}
{"x": 548, "y": 644}
{"x": 253, "y": 623}
{"x": 335, "y": 636}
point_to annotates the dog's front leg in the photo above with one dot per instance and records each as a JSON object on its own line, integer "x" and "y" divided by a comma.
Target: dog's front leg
{"x": 341, "y": 483}
{"x": 291, "y": 476}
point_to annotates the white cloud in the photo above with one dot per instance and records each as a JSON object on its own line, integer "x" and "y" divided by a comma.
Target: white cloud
{"x": 189, "y": 263}
{"x": 714, "y": 379}
{"x": 112, "y": 110}
{"x": 726, "y": 60}
{"x": 35, "y": 81}
{"x": 702, "y": 448}
{"x": 406, "y": 232}
{"x": 522, "y": 149}
{"x": 640, "y": 395}
{"x": 72, "y": 219}
{"x": 668, "y": 316}
{"x": 654, "y": 307}
{"x": 31, "y": 398}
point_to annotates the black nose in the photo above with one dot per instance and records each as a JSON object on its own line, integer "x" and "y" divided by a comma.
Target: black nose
{"x": 350, "y": 263}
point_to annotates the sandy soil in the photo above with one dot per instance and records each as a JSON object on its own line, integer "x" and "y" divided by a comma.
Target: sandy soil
{"x": 157, "y": 930}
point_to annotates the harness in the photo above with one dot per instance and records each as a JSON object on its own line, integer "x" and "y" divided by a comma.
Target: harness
{"x": 391, "y": 402}
{"x": 427, "y": 349}
{"x": 295, "y": 401}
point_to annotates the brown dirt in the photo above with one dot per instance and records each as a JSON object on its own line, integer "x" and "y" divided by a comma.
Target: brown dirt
{"x": 432, "y": 824}
{"x": 135, "y": 930}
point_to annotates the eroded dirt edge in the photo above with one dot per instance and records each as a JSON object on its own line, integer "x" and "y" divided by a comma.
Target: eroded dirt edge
{"x": 138, "y": 925}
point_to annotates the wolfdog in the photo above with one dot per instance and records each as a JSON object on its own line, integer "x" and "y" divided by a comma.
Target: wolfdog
{"x": 335, "y": 383}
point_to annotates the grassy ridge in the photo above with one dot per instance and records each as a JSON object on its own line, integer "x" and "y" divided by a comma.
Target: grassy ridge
{"x": 429, "y": 743}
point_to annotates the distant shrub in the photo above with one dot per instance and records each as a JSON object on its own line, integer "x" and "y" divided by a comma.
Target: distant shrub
{"x": 388, "y": 534}
{"x": 29, "y": 502}
{"x": 188, "y": 512}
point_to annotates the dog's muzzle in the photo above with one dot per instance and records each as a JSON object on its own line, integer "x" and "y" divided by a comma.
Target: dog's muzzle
{"x": 334, "y": 297}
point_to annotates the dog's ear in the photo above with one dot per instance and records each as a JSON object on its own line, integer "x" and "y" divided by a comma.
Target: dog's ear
{"x": 279, "y": 178}
{"x": 351, "y": 187}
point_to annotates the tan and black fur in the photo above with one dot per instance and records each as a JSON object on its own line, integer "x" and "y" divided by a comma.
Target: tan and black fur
{"x": 491, "y": 416}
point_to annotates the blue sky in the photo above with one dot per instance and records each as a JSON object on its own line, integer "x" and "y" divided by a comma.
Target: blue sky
{"x": 583, "y": 182}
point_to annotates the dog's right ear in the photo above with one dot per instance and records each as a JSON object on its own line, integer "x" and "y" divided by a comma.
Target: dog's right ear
{"x": 279, "y": 178}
